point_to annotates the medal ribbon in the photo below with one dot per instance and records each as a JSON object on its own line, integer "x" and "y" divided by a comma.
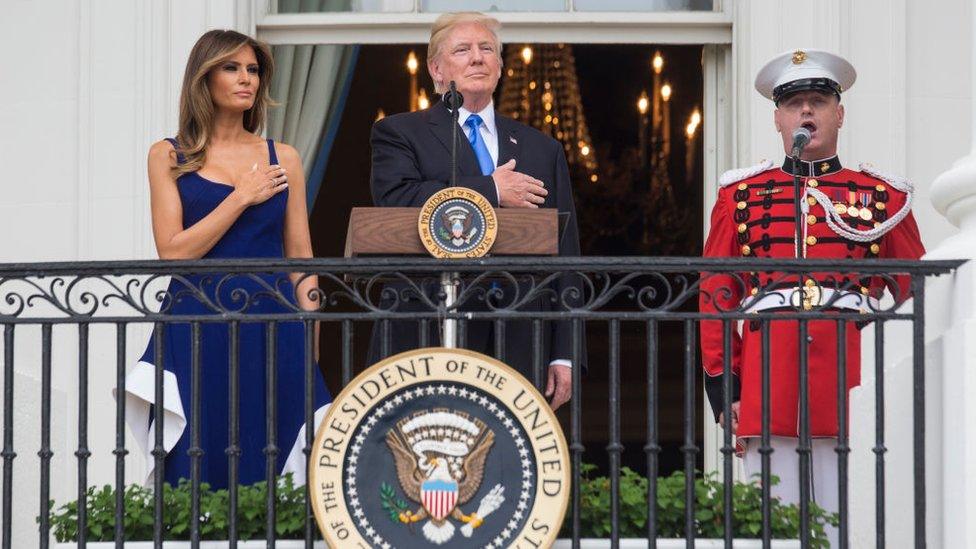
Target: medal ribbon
{"x": 837, "y": 224}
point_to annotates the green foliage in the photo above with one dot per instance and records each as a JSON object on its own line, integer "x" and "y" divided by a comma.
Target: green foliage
{"x": 709, "y": 505}
{"x": 214, "y": 512}
{"x": 391, "y": 503}
{"x": 290, "y": 518}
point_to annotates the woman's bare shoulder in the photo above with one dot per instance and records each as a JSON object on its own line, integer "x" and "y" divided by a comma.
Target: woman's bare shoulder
{"x": 163, "y": 153}
{"x": 286, "y": 153}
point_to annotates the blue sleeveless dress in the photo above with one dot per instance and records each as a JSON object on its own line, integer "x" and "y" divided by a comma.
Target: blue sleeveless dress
{"x": 257, "y": 233}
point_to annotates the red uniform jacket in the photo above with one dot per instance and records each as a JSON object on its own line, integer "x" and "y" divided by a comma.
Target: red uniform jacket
{"x": 754, "y": 216}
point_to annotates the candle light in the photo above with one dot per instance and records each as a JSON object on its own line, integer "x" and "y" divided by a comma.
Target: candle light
{"x": 422, "y": 101}
{"x": 690, "y": 150}
{"x": 666, "y": 96}
{"x": 642, "y": 105}
{"x": 642, "y": 102}
{"x": 658, "y": 65}
{"x": 527, "y": 54}
{"x": 412, "y": 62}
{"x": 412, "y": 66}
{"x": 380, "y": 115}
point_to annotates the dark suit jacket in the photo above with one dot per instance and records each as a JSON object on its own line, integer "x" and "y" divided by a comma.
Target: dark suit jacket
{"x": 412, "y": 160}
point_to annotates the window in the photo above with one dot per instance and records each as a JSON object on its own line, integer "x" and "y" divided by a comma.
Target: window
{"x": 422, "y": 6}
{"x": 674, "y": 22}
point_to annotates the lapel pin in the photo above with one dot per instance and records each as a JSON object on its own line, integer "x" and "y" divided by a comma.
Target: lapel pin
{"x": 513, "y": 140}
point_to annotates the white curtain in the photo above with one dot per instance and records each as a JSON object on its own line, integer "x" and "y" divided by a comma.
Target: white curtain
{"x": 309, "y": 83}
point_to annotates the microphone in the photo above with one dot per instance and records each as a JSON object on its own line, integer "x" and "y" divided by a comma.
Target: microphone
{"x": 454, "y": 100}
{"x": 452, "y": 95}
{"x": 801, "y": 136}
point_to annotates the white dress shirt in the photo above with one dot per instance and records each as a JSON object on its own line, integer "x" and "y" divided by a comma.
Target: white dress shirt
{"x": 489, "y": 132}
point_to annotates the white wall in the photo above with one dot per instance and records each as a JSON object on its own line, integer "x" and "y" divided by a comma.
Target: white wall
{"x": 89, "y": 85}
{"x": 908, "y": 113}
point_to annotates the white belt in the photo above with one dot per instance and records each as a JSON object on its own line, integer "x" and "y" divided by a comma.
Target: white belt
{"x": 810, "y": 297}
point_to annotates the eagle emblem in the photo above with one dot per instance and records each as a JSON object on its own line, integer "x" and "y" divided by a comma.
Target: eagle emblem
{"x": 456, "y": 223}
{"x": 440, "y": 460}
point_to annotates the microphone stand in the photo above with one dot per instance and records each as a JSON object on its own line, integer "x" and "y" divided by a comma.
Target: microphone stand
{"x": 798, "y": 225}
{"x": 450, "y": 281}
{"x": 797, "y": 206}
{"x": 454, "y": 104}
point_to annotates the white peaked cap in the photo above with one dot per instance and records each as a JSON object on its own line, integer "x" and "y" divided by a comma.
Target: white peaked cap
{"x": 805, "y": 69}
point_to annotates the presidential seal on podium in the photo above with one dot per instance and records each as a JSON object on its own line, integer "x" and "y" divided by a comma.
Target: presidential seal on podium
{"x": 439, "y": 448}
{"x": 457, "y": 222}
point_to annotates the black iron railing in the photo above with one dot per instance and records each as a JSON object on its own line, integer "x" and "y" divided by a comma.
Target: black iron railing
{"x": 650, "y": 292}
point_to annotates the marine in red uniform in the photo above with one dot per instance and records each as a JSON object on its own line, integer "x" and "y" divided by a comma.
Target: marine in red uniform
{"x": 846, "y": 214}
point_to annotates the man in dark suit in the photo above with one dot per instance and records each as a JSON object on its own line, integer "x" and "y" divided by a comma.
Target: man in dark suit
{"x": 509, "y": 163}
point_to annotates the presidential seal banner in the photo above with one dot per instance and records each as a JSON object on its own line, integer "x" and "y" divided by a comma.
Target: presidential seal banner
{"x": 440, "y": 448}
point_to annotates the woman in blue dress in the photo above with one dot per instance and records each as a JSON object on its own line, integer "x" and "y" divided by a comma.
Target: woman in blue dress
{"x": 218, "y": 190}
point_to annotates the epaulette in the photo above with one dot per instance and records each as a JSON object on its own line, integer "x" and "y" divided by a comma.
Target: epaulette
{"x": 895, "y": 181}
{"x": 734, "y": 176}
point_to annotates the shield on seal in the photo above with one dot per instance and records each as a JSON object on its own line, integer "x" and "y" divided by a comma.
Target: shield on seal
{"x": 439, "y": 497}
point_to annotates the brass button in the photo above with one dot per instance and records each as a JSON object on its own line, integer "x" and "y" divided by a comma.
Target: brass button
{"x": 742, "y": 228}
{"x": 743, "y": 186}
{"x": 811, "y": 240}
{"x": 879, "y": 188}
{"x": 811, "y": 201}
{"x": 811, "y": 219}
{"x": 875, "y": 249}
{"x": 810, "y": 283}
{"x": 754, "y": 291}
{"x": 879, "y": 205}
{"x": 746, "y": 250}
{"x": 812, "y": 183}
{"x": 741, "y": 205}
{"x": 877, "y": 223}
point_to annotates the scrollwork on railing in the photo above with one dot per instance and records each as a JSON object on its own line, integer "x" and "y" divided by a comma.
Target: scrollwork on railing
{"x": 494, "y": 287}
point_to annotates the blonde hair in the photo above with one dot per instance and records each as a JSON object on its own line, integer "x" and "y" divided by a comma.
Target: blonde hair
{"x": 196, "y": 103}
{"x": 445, "y": 24}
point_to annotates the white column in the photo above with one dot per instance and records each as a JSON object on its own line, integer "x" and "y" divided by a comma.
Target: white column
{"x": 954, "y": 196}
{"x": 97, "y": 82}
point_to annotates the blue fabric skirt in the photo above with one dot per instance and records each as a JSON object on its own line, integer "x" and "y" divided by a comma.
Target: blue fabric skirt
{"x": 204, "y": 295}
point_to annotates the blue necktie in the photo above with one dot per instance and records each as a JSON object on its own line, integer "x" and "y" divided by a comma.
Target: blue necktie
{"x": 478, "y": 144}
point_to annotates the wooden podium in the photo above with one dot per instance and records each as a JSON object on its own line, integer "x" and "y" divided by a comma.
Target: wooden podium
{"x": 393, "y": 231}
